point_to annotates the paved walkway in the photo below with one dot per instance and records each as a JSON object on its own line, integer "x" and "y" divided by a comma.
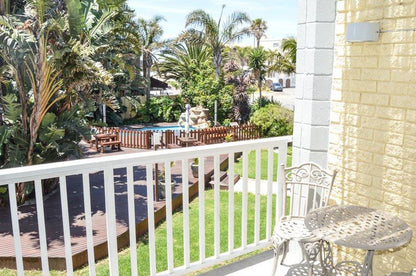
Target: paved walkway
{"x": 260, "y": 264}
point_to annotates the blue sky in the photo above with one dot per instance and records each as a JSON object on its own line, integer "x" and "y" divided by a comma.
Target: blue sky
{"x": 280, "y": 15}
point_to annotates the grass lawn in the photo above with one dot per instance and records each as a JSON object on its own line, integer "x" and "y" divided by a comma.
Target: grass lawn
{"x": 264, "y": 164}
{"x": 161, "y": 255}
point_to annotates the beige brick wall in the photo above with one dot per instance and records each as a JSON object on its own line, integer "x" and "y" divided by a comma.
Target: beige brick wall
{"x": 373, "y": 118}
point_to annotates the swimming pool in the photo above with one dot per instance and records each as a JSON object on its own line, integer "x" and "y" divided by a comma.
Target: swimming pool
{"x": 164, "y": 128}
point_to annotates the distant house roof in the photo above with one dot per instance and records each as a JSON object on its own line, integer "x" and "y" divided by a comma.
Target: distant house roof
{"x": 155, "y": 83}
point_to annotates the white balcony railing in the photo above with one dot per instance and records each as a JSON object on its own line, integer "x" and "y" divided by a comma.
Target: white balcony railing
{"x": 108, "y": 165}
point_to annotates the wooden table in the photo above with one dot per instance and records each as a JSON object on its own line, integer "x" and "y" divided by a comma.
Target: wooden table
{"x": 187, "y": 141}
{"x": 106, "y": 139}
{"x": 359, "y": 227}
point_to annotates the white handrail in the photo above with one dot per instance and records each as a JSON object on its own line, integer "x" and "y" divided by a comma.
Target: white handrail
{"x": 107, "y": 164}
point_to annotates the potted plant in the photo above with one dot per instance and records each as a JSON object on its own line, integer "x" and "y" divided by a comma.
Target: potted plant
{"x": 229, "y": 137}
{"x": 162, "y": 182}
{"x": 194, "y": 167}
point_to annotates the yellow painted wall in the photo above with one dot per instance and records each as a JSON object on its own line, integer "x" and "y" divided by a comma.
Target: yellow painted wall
{"x": 373, "y": 118}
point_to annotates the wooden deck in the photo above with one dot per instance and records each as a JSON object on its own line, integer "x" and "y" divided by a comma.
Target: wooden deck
{"x": 54, "y": 230}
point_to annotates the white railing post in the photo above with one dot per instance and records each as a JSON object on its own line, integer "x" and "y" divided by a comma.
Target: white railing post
{"x": 151, "y": 218}
{"x": 65, "y": 224}
{"x": 270, "y": 161}
{"x": 217, "y": 228}
{"x": 169, "y": 232}
{"x": 185, "y": 210}
{"x": 41, "y": 226}
{"x": 110, "y": 211}
{"x": 16, "y": 229}
{"x": 88, "y": 222}
{"x": 282, "y": 158}
{"x": 244, "y": 201}
{"x": 257, "y": 198}
{"x": 231, "y": 177}
{"x": 201, "y": 197}
{"x": 132, "y": 220}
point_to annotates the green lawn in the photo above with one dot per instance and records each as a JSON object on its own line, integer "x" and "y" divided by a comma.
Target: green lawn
{"x": 264, "y": 164}
{"x": 161, "y": 256}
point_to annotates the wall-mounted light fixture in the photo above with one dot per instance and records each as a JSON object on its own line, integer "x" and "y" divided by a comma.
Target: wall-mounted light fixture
{"x": 363, "y": 32}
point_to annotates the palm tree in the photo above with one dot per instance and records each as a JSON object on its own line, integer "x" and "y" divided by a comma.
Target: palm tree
{"x": 285, "y": 62}
{"x": 257, "y": 61}
{"x": 258, "y": 27}
{"x": 289, "y": 48}
{"x": 183, "y": 60}
{"x": 150, "y": 33}
{"x": 218, "y": 33}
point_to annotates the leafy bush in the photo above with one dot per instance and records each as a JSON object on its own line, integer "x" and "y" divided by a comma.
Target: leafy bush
{"x": 162, "y": 109}
{"x": 273, "y": 120}
{"x": 264, "y": 101}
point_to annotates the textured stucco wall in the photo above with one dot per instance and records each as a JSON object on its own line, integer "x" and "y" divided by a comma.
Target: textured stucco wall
{"x": 372, "y": 137}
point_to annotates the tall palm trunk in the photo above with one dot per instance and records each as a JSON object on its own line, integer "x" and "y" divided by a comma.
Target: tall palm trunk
{"x": 217, "y": 59}
{"x": 147, "y": 65}
{"x": 39, "y": 87}
{"x": 259, "y": 86}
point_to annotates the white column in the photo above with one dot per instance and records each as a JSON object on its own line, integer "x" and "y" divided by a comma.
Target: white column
{"x": 315, "y": 42}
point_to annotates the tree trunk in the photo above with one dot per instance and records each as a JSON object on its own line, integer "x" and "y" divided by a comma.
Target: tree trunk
{"x": 22, "y": 97}
{"x": 259, "y": 86}
{"x": 147, "y": 64}
{"x": 258, "y": 43}
{"x": 217, "y": 59}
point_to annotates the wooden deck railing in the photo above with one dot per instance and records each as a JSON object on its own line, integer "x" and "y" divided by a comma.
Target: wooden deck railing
{"x": 142, "y": 139}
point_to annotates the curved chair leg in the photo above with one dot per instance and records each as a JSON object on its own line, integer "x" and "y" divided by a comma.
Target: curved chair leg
{"x": 310, "y": 251}
{"x": 285, "y": 250}
{"x": 278, "y": 244}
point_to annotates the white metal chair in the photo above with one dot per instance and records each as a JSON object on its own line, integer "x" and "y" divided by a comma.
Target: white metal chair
{"x": 305, "y": 188}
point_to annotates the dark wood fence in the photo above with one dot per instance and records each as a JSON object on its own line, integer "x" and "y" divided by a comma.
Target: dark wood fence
{"x": 142, "y": 139}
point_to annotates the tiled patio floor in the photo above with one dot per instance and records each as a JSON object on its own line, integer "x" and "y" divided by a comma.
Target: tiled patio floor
{"x": 260, "y": 264}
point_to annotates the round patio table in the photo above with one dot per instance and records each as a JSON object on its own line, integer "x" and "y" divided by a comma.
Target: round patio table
{"x": 359, "y": 227}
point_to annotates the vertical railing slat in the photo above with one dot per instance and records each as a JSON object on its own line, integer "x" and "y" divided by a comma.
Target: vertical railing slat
{"x": 282, "y": 157}
{"x": 110, "y": 211}
{"x": 169, "y": 232}
{"x": 201, "y": 194}
{"x": 231, "y": 177}
{"x": 132, "y": 220}
{"x": 65, "y": 224}
{"x": 151, "y": 219}
{"x": 216, "y": 206}
{"x": 269, "y": 193}
{"x": 257, "y": 198}
{"x": 244, "y": 201}
{"x": 16, "y": 229}
{"x": 41, "y": 225}
{"x": 185, "y": 210}
{"x": 88, "y": 222}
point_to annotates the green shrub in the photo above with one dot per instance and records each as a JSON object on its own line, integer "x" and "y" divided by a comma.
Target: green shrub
{"x": 264, "y": 101}
{"x": 162, "y": 109}
{"x": 273, "y": 120}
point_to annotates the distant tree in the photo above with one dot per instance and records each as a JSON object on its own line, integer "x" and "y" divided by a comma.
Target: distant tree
{"x": 289, "y": 46}
{"x": 242, "y": 54}
{"x": 150, "y": 34}
{"x": 257, "y": 62}
{"x": 284, "y": 61}
{"x": 258, "y": 27}
{"x": 217, "y": 34}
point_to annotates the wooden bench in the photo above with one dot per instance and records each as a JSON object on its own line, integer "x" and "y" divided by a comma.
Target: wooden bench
{"x": 113, "y": 144}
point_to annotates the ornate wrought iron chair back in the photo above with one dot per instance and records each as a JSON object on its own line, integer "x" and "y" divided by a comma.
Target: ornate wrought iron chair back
{"x": 306, "y": 187}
